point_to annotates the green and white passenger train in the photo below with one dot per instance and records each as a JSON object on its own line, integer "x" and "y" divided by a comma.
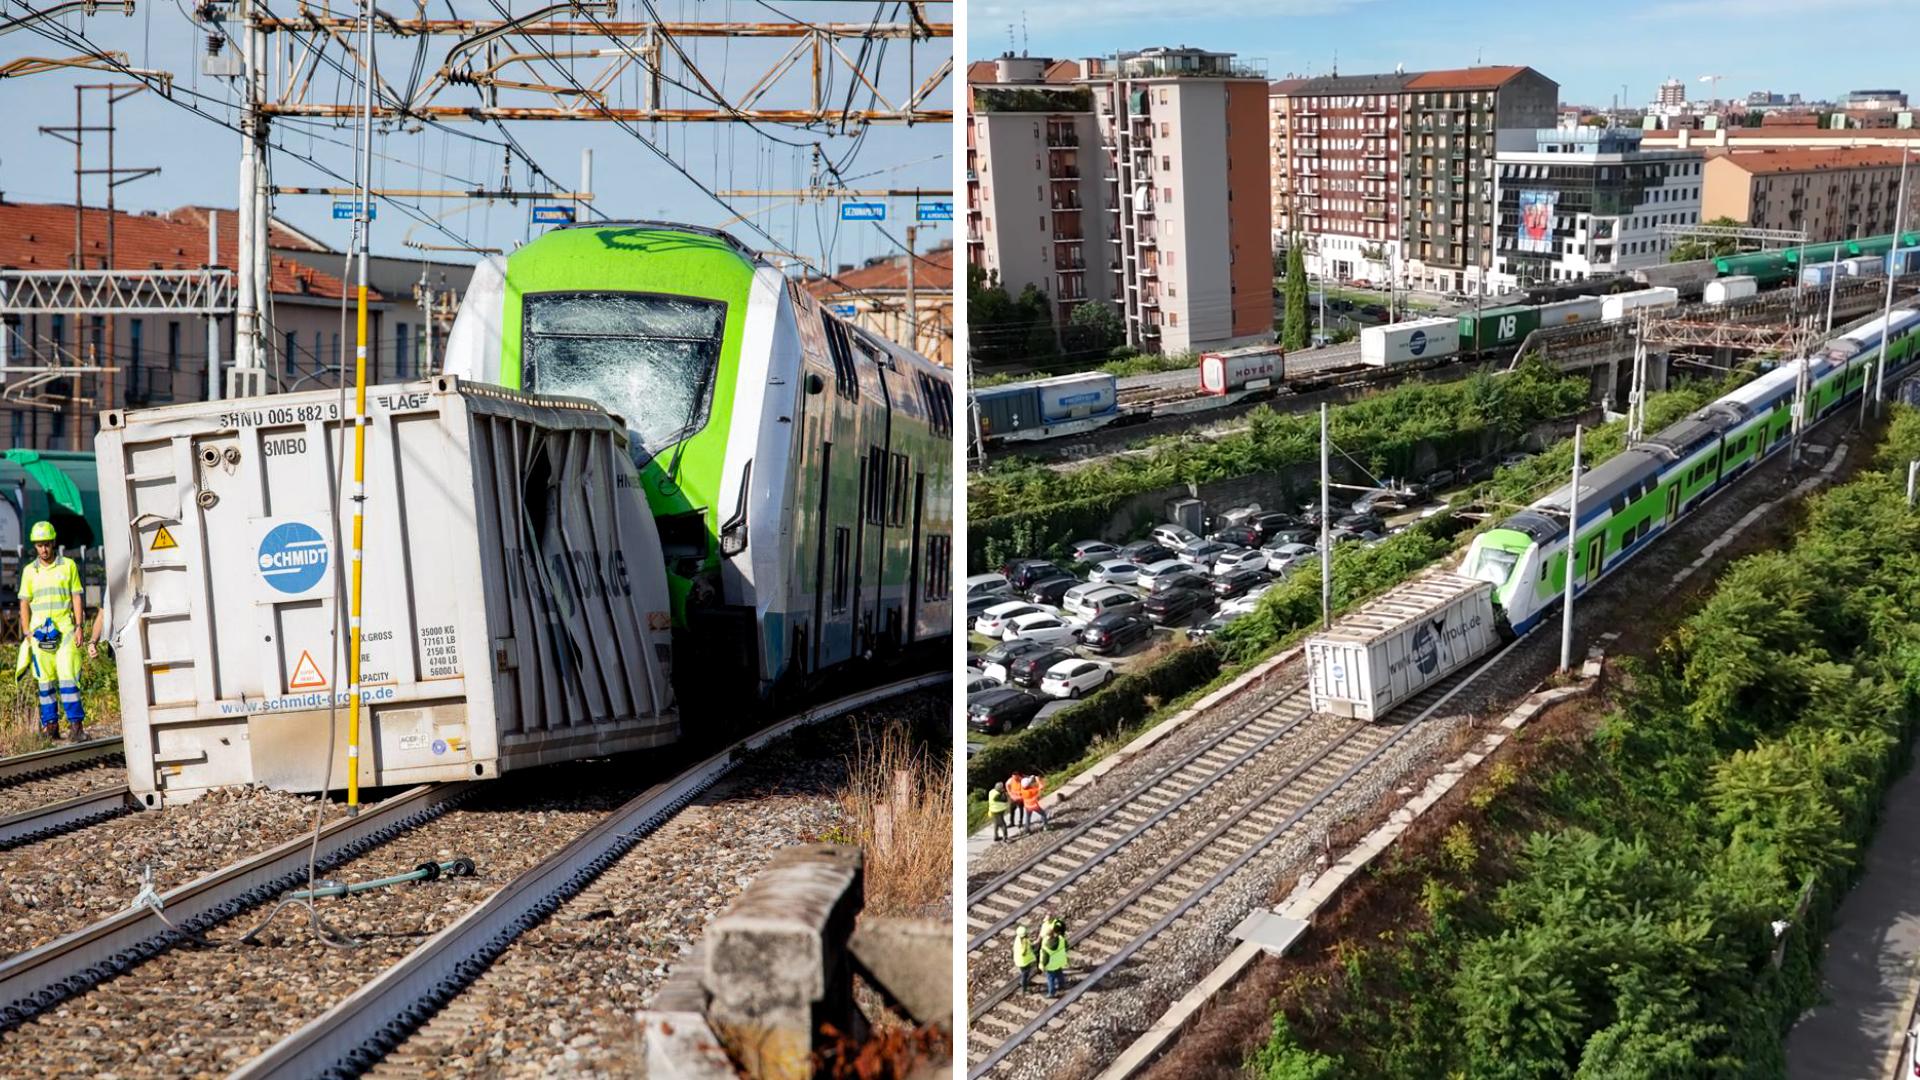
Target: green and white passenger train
{"x": 799, "y": 467}
{"x": 1630, "y": 501}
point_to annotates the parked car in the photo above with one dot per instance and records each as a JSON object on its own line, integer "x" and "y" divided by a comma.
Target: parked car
{"x": 979, "y": 604}
{"x": 1050, "y": 591}
{"x": 1242, "y": 559}
{"x": 978, "y": 683}
{"x": 993, "y": 621}
{"x": 1361, "y": 523}
{"x": 1028, "y": 668}
{"x": 1342, "y": 535}
{"x": 1115, "y": 572}
{"x": 1148, "y": 574}
{"x": 1228, "y": 586}
{"x": 1092, "y": 550}
{"x": 1145, "y": 552}
{"x": 1072, "y": 678}
{"x": 1176, "y": 537}
{"x": 1440, "y": 479}
{"x": 1030, "y": 571}
{"x": 1284, "y": 558}
{"x": 1092, "y": 601}
{"x": 988, "y": 585}
{"x": 1176, "y": 606}
{"x": 998, "y": 711}
{"x": 1380, "y": 501}
{"x": 996, "y": 662}
{"x": 1271, "y": 522}
{"x": 1203, "y": 554}
{"x": 1238, "y": 536}
{"x": 1041, "y": 626}
{"x": 1292, "y": 536}
{"x": 1507, "y": 461}
{"x": 1113, "y": 632}
{"x": 1245, "y": 602}
{"x": 1186, "y": 579}
{"x": 1209, "y": 628}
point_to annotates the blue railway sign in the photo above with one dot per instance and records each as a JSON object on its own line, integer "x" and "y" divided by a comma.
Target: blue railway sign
{"x": 553, "y": 215}
{"x": 863, "y": 211}
{"x": 936, "y": 211}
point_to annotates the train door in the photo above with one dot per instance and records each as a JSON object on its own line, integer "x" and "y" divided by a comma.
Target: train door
{"x": 1673, "y": 500}
{"x": 1596, "y": 551}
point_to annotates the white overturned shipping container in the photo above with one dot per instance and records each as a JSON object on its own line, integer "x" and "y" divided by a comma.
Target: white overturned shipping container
{"x": 1396, "y": 645}
{"x": 515, "y": 606}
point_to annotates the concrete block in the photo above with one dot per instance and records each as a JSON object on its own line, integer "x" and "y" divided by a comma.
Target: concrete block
{"x": 911, "y": 961}
{"x": 776, "y": 967}
{"x": 678, "y": 1043}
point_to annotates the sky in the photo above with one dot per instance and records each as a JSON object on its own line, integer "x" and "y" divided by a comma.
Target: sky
{"x": 199, "y": 159}
{"x": 1818, "y": 48}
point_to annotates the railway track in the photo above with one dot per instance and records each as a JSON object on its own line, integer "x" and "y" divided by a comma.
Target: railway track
{"x": 55, "y": 791}
{"x": 224, "y": 1004}
{"x": 1213, "y": 840}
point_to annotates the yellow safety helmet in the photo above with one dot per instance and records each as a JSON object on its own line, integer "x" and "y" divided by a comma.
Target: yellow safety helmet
{"x": 42, "y": 531}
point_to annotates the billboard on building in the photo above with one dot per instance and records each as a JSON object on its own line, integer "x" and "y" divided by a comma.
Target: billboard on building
{"x": 1536, "y": 221}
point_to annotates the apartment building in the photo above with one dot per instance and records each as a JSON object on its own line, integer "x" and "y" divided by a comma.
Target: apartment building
{"x": 1279, "y": 159}
{"x": 1586, "y": 202}
{"x": 1828, "y": 194}
{"x": 1746, "y": 139}
{"x": 1452, "y": 123}
{"x": 1389, "y": 178}
{"x": 1035, "y": 191}
{"x": 1341, "y": 157}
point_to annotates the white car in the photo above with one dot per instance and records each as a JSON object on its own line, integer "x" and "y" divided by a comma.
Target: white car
{"x": 1072, "y": 678}
{"x": 1244, "y": 603}
{"x": 993, "y": 621}
{"x": 1090, "y": 601}
{"x": 1284, "y": 558}
{"x": 1235, "y": 561}
{"x": 1093, "y": 550}
{"x": 988, "y": 585}
{"x": 1043, "y": 626}
{"x": 1162, "y": 568}
{"x": 1115, "y": 572}
{"x": 1173, "y": 537}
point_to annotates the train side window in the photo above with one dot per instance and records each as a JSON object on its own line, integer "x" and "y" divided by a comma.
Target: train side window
{"x": 845, "y": 380}
{"x": 840, "y": 548}
{"x": 876, "y": 486}
{"x": 897, "y": 492}
{"x": 939, "y": 568}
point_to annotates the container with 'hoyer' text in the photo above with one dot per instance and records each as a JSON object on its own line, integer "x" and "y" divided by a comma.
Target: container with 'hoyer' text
{"x": 515, "y": 608}
{"x": 1394, "y": 646}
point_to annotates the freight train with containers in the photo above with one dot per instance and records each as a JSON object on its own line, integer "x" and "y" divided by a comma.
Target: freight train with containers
{"x": 653, "y": 464}
{"x": 1514, "y": 575}
{"x": 1070, "y": 405}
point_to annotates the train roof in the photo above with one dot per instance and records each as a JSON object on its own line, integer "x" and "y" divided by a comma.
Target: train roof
{"x": 1598, "y": 486}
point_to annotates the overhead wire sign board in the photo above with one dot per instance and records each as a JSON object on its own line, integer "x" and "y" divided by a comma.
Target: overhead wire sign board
{"x": 936, "y": 211}
{"x": 863, "y": 211}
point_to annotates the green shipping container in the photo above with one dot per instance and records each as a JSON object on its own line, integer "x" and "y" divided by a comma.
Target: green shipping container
{"x": 1497, "y": 328}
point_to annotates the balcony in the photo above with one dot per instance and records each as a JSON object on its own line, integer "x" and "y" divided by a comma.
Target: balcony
{"x": 1064, "y": 237}
{"x": 1067, "y": 206}
{"x": 1150, "y": 270}
{"x": 1062, "y": 139}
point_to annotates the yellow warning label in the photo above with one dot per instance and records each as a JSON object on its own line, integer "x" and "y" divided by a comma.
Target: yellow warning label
{"x": 306, "y": 674}
{"x": 162, "y": 540}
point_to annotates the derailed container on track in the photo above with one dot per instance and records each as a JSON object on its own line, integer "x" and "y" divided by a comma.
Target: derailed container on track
{"x": 1392, "y": 647}
{"x": 1407, "y": 342}
{"x": 515, "y": 606}
{"x": 1738, "y": 287}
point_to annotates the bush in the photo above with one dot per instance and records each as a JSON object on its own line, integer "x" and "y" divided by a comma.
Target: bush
{"x": 1067, "y": 734}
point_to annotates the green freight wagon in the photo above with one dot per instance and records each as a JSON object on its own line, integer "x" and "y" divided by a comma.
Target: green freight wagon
{"x": 1497, "y": 328}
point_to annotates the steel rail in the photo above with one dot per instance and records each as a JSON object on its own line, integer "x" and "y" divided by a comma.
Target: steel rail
{"x": 360, "y": 1030}
{"x": 41, "y": 978}
{"x": 1169, "y": 867}
{"x": 43, "y": 763}
{"x": 1452, "y": 685}
{"x": 44, "y": 822}
{"x": 1226, "y": 733}
{"x": 1087, "y": 866}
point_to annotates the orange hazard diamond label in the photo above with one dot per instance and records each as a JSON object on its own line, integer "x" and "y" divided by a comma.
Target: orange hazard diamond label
{"x": 306, "y": 674}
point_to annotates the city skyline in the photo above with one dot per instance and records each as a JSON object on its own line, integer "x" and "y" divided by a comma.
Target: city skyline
{"x": 1755, "y": 45}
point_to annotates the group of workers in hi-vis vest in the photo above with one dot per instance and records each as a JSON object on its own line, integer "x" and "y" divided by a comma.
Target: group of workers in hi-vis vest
{"x": 1015, "y": 803}
{"x": 1050, "y": 955}
{"x": 52, "y": 611}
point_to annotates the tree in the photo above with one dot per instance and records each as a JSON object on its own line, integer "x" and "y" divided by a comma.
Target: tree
{"x": 1093, "y": 327}
{"x": 1293, "y": 332}
{"x": 1711, "y": 248}
{"x": 1005, "y": 330}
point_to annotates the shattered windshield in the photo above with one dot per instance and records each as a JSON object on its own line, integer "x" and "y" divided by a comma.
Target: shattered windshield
{"x": 649, "y": 359}
{"x": 1492, "y": 564}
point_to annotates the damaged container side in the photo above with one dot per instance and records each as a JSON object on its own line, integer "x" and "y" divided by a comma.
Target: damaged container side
{"x": 514, "y": 600}
{"x": 1392, "y": 647}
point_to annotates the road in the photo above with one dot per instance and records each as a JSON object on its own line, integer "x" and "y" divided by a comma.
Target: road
{"x": 1868, "y": 973}
{"x": 1300, "y": 361}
